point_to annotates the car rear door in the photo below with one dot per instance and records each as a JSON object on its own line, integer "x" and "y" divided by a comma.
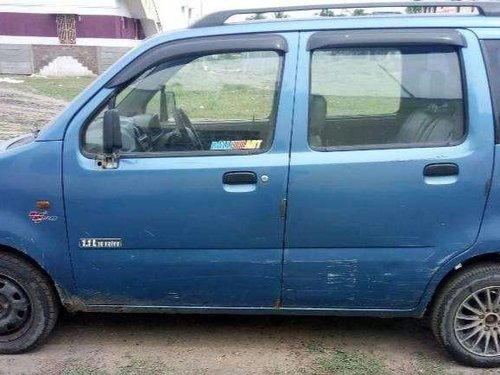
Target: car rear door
{"x": 392, "y": 154}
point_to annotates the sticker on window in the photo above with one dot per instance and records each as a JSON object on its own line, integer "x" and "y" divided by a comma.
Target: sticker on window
{"x": 248, "y": 144}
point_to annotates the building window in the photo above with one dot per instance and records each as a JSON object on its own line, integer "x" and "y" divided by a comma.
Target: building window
{"x": 66, "y": 28}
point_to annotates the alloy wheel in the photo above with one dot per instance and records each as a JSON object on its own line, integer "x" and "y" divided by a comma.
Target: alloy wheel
{"x": 477, "y": 322}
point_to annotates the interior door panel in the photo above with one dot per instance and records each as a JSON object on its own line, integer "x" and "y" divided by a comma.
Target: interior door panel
{"x": 346, "y": 130}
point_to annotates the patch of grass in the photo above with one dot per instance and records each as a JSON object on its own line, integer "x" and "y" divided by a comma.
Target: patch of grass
{"x": 83, "y": 371}
{"x": 64, "y": 88}
{"x": 235, "y": 103}
{"x": 361, "y": 105}
{"x": 139, "y": 366}
{"x": 314, "y": 347}
{"x": 59, "y": 88}
{"x": 278, "y": 371}
{"x": 430, "y": 366}
{"x": 231, "y": 101}
{"x": 351, "y": 363}
{"x": 136, "y": 366}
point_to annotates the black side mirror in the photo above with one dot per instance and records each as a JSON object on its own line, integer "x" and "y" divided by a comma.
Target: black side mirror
{"x": 112, "y": 135}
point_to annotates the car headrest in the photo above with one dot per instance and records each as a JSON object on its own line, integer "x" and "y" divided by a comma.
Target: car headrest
{"x": 317, "y": 112}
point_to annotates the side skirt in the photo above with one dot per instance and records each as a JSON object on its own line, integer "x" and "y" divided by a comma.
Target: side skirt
{"x": 245, "y": 310}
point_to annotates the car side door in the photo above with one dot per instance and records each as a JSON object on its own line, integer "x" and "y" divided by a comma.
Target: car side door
{"x": 190, "y": 215}
{"x": 372, "y": 215}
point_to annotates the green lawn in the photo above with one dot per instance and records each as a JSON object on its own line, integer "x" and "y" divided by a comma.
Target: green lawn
{"x": 58, "y": 88}
{"x": 231, "y": 101}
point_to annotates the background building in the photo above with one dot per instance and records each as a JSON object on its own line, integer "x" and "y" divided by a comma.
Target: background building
{"x": 178, "y": 14}
{"x": 81, "y": 37}
{"x": 80, "y": 22}
{"x": 84, "y": 37}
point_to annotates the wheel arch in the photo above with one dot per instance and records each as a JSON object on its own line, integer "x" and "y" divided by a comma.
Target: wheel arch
{"x": 459, "y": 267}
{"x": 58, "y": 291}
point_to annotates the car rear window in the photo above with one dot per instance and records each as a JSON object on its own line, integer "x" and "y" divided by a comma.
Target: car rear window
{"x": 372, "y": 97}
{"x": 492, "y": 55}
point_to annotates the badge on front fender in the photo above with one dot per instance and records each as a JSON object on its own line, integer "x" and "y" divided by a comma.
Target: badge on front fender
{"x": 38, "y": 216}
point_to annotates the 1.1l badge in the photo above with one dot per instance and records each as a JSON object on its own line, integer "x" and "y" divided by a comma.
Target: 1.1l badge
{"x": 100, "y": 243}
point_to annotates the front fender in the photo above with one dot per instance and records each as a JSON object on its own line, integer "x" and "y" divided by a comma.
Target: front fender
{"x": 30, "y": 173}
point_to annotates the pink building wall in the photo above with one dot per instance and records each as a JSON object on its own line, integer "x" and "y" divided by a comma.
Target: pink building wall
{"x": 87, "y": 26}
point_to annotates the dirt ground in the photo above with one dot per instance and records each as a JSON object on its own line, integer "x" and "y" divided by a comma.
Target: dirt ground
{"x": 186, "y": 344}
{"x": 195, "y": 344}
{"x": 21, "y": 110}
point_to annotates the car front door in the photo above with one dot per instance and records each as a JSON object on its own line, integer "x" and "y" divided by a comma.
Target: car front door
{"x": 390, "y": 165}
{"x": 190, "y": 215}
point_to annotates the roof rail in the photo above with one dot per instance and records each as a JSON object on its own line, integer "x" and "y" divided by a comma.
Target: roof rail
{"x": 485, "y": 8}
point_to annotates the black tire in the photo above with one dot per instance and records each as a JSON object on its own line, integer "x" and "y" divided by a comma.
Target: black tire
{"x": 451, "y": 317}
{"x": 29, "y": 305}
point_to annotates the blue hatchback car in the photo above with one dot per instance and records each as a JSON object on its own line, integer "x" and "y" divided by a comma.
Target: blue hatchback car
{"x": 335, "y": 166}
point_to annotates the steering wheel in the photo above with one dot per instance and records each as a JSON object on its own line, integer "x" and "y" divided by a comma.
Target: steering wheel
{"x": 186, "y": 128}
